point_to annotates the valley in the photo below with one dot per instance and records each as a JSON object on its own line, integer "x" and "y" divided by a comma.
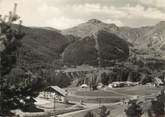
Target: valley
{"x": 118, "y": 46}
{"x": 113, "y": 63}
{"x": 74, "y": 58}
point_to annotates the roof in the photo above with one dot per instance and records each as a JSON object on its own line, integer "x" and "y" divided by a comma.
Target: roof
{"x": 56, "y": 89}
{"x": 84, "y": 86}
{"x": 158, "y": 80}
{"x": 30, "y": 99}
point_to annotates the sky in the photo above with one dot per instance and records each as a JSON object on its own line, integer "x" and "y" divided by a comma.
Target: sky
{"x": 62, "y": 14}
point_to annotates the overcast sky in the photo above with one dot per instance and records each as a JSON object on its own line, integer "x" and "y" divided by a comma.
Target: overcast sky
{"x": 63, "y": 14}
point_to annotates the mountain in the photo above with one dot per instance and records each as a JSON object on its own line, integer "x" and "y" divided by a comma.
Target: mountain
{"x": 47, "y": 48}
{"x": 41, "y": 47}
{"x": 146, "y": 37}
{"x": 90, "y": 27}
{"x": 101, "y": 45}
{"x": 148, "y": 41}
{"x": 48, "y": 44}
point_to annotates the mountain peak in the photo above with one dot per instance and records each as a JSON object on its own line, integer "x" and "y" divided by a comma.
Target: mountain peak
{"x": 94, "y": 21}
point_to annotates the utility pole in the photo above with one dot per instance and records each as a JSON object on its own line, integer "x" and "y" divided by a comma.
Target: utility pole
{"x": 1, "y": 95}
{"x": 15, "y": 9}
{"x": 0, "y": 72}
{"x": 1, "y": 83}
{"x": 54, "y": 105}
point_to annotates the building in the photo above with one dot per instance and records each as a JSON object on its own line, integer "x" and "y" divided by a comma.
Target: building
{"x": 84, "y": 86}
{"x": 55, "y": 92}
{"x": 122, "y": 84}
{"x": 158, "y": 81}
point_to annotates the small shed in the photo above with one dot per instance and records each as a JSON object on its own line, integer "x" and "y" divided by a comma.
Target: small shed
{"x": 57, "y": 92}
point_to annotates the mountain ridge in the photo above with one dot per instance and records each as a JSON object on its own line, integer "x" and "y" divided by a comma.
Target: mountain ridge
{"x": 144, "y": 38}
{"x": 47, "y": 49}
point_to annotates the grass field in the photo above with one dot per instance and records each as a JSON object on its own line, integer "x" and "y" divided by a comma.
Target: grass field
{"x": 97, "y": 93}
{"x": 95, "y": 99}
{"x": 138, "y": 90}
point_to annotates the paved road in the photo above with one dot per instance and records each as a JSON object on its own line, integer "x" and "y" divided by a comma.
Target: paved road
{"x": 83, "y": 112}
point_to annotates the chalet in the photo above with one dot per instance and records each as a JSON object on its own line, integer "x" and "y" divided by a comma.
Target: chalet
{"x": 56, "y": 92}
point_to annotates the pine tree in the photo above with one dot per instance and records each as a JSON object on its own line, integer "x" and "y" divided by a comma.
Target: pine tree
{"x": 89, "y": 114}
{"x": 17, "y": 94}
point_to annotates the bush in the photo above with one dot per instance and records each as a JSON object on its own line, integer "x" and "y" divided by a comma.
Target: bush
{"x": 134, "y": 109}
{"x": 89, "y": 114}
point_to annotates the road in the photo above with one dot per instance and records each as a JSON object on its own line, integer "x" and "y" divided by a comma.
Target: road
{"x": 89, "y": 108}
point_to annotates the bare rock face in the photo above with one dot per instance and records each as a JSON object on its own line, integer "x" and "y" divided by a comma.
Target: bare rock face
{"x": 84, "y": 51}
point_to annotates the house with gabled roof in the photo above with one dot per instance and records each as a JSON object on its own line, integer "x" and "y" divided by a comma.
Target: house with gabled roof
{"x": 55, "y": 92}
